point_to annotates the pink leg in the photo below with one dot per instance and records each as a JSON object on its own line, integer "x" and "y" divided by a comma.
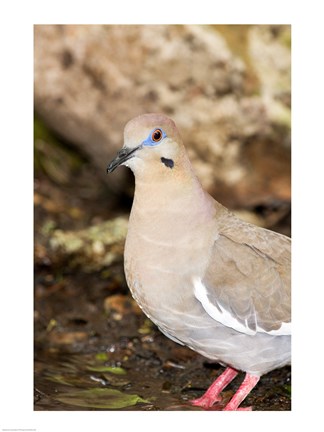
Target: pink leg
{"x": 247, "y": 385}
{"x": 212, "y": 395}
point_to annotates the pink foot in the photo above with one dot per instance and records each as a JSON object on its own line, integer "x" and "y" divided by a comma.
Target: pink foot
{"x": 205, "y": 402}
{"x": 247, "y": 385}
{"x": 212, "y": 395}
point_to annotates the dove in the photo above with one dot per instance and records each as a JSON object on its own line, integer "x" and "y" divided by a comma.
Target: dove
{"x": 207, "y": 279}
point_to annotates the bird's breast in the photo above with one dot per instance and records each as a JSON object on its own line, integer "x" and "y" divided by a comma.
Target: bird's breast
{"x": 162, "y": 258}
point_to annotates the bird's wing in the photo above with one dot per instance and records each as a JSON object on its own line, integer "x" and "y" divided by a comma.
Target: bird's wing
{"x": 245, "y": 286}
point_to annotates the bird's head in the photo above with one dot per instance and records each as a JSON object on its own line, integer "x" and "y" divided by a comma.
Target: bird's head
{"x": 151, "y": 141}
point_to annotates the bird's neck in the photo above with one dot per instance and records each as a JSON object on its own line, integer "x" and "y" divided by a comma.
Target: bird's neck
{"x": 171, "y": 193}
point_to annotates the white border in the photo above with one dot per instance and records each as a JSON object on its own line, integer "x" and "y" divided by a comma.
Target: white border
{"x": 17, "y": 213}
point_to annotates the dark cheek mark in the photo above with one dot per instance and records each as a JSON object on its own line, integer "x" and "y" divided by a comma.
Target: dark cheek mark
{"x": 167, "y": 162}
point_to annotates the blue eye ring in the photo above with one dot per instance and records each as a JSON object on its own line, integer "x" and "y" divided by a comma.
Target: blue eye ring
{"x": 155, "y": 137}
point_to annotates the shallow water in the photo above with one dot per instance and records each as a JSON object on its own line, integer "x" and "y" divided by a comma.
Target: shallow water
{"x": 95, "y": 350}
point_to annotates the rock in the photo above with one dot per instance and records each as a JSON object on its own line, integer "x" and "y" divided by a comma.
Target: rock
{"x": 90, "y": 80}
{"x": 67, "y": 338}
{"x": 92, "y": 248}
{"x": 119, "y": 305}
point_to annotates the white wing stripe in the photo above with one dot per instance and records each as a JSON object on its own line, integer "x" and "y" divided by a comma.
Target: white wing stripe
{"x": 227, "y": 319}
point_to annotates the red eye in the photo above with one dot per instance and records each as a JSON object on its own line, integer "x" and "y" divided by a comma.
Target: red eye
{"x": 157, "y": 135}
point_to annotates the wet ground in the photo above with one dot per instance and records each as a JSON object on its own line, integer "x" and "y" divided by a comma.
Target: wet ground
{"x": 94, "y": 349}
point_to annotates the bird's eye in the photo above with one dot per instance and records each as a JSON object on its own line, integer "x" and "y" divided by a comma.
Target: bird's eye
{"x": 157, "y": 135}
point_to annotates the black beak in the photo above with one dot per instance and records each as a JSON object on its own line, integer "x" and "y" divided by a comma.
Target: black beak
{"x": 122, "y": 156}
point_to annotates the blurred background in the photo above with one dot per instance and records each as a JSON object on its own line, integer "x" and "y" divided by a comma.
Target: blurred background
{"x": 227, "y": 87}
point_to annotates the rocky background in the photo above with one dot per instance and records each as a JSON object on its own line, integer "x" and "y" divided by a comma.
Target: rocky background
{"x": 228, "y": 90}
{"x": 226, "y": 87}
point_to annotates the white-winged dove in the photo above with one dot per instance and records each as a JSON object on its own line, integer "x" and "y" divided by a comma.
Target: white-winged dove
{"x": 207, "y": 279}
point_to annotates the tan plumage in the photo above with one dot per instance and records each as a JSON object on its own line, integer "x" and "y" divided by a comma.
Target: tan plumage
{"x": 207, "y": 279}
